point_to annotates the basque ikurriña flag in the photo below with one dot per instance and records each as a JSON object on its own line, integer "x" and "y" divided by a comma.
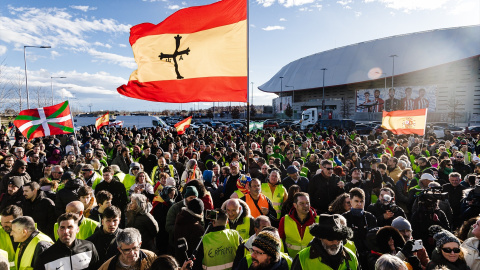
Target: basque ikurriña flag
{"x": 196, "y": 54}
{"x": 405, "y": 122}
{"x": 46, "y": 121}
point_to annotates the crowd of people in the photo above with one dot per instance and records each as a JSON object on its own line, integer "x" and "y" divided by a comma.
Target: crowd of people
{"x": 128, "y": 198}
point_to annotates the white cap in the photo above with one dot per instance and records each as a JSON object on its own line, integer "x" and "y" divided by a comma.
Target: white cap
{"x": 428, "y": 176}
{"x": 475, "y": 158}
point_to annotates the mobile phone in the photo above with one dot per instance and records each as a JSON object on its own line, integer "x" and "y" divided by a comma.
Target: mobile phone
{"x": 211, "y": 214}
{"x": 417, "y": 245}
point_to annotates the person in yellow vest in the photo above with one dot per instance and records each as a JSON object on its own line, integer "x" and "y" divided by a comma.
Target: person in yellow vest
{"x": 117, "y": 173}
{"x": 275, "y": 191}
{"x": 164, "y": 167}
{"x": 258, "y": 203}
{"x": 329, "y": 235}
{"x": 239, "y": 217}
{"x": 293, "y": 228}
{"x": 90, "y": 177}
{"x": 265, "y": 253}
{"x": 4, "y": 264}
{"x": 86, "y": 226}
{"x": 10, "y": 213}
{"x": 243, "y": 249}
{"x": 32, "y": 242}
{"x": 218, "y": 246}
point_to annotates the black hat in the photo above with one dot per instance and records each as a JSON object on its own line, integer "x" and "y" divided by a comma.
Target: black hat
{"x": 68, "y": 175}
{"x": 330, "y": 227}
{"x": 269, "y": 242}
{"x": 195, "y": 207}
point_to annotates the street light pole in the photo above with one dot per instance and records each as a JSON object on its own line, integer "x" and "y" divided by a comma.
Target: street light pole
{"x": 252, "y": 94}
{"x": 25, "y": 60}
{"x": 281, "y": 93}
{"x": 51, "y": 84}
{"x": 323, "y": 95}
{"x": 393, "y": 66}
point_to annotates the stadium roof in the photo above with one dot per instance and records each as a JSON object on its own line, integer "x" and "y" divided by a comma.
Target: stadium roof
{"x": 353, "y": 63}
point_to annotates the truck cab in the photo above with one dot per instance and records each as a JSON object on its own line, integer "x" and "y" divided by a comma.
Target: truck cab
{"x": 309, "y": 118}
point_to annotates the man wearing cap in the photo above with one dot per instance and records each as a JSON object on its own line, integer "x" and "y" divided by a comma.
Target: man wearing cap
{"x": 123, "y": 160}
{"x": 475, "y": 165}
{"x": 414, "y": 191}
{"x": 405, "y": 229}
{"x": 293, "y": 228}
{"x": 19, "y": 170}
{"x": 190, "y": 194}
{"x": 88, "y": 155}
{"x": 14, "y": 194}
{"x": 265, "y": 253}
{"x": 295, "y": 179}
{"x": 326, "y": 251}
{"x": 90, "y": 176}
{"x": 32, "y": 242}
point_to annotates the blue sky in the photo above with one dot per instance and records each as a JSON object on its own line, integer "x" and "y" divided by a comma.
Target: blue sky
{"x": 90, "y": 46}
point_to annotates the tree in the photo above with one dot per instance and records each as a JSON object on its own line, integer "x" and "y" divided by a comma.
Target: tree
{"x": 253, "y": 112}
{"x": 209, "y": 113}
{"x": 345, "y": 109}
{"x": 454, "y": 108}
{"x": 289, "y": 111}
{"x": 236, "y": 113}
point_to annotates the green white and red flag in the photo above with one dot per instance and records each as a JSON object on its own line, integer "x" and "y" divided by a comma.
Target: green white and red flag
{"x": 46, "y": 121}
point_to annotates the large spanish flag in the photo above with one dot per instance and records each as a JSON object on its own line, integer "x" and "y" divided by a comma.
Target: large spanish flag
{"x": 196, "y": 54}
{"x": 405, "y": 122}
{"x": 101, "y": 121}
{"x": 183, "y": 125}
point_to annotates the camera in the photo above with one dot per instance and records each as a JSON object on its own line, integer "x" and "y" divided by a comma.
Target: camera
{"x": 211, "y": 214}
{"x": 417, "y": 245}
{"x": 432, "y": 194}
{"x": 388, "y": 204}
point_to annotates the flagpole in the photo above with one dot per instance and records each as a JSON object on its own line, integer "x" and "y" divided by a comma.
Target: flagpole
{"x": 248, "y": 98}
{"x": 74, "y": 131}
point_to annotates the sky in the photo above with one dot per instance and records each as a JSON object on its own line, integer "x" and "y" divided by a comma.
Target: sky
{"x": 90, "y": 47}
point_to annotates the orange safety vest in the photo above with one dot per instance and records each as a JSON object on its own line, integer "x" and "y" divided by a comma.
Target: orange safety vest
{"x": 262, "y": 202}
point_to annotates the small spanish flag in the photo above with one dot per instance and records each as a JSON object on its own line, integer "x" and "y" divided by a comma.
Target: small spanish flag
{"x": 102, "y": 121}
{"x": 183, "y": 125}
{"x": 405, "y": 122}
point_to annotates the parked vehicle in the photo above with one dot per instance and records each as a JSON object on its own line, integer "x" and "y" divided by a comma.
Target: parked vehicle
{"x": 363, "y": 129}
{"x": 140, "y": 121}
{"x": 270, "y": 123}
{"x": 310, "y": 118}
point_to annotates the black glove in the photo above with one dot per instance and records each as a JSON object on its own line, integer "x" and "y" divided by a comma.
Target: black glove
{"x": 407, "y": 249}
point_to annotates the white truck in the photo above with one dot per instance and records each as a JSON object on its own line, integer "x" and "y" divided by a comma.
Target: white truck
{"x": 310, "y": 117}
{"x": 140, "y": 121}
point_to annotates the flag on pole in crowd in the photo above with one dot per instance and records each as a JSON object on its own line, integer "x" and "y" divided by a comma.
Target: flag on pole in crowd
{"x": 46, "y": 121}
{"x": 102, "y": 121}
{"x": 255, "y": 126}
{"x": 196, "y": 54}
{"x": 405, "y": 122}
{"x": 183, "y": 125}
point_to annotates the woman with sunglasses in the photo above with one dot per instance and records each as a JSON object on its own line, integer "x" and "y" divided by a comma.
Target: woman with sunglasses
{"x": 447, "y": 252}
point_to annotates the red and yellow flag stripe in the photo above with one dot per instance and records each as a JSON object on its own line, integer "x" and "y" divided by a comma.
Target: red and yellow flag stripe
{"x": 405, "y": 122}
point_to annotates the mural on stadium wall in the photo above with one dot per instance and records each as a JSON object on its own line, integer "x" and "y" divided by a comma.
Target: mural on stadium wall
{"x": 284, "y": 100}
{"x": 402, "y": 98}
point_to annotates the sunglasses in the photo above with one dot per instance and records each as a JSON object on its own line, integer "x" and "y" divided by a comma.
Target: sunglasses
{"x": 459, "y": 156}
{"x": 449, "y": 250}
{"x": 330, "y": 169}
{"x": 449, "y": 164}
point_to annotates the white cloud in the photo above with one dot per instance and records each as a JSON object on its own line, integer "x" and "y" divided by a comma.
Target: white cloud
{"x": 317, "y": 6}
{"x": 266, "y": 3}
{"x": 283, "y": 20}
{"x": 64, "y": 93}
{"x": 465, "y": 7}
{"x": 52, "y": 26}
{"x": 3, "y": 50}
{"x": 409, "y": 5}
{"x": 102, "y": 45}
{"x": 173, "y": 7}
{"x": 296, "y": 3}
{"x": 358, "y": 14}
{"x": 54, "y": 54}
{"x": 122, "y": 45}
{"x": 120, "y": 60}
{"x": 271, "y": 28}
{"x": 83, "y": 8}
{"x": 344, "y": 2}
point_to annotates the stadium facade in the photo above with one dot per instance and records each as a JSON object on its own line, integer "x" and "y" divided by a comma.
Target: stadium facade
{"x": 437, "y": 69}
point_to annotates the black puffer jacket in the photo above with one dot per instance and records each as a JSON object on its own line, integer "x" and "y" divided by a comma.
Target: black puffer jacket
{"x": 105, "y": 244}
{"x": 82, "y": 255}
{"x": 323, "y": 191}
{"x": 66, "y": 195}
{"x": 146, "y": 225}
{"x": 42, "y": 210}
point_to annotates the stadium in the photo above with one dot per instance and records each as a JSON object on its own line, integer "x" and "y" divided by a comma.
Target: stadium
{"x": 437, "y": 69}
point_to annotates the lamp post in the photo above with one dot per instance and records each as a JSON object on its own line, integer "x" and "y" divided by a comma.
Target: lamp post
{"x": 51, "y": 84}
{"x": 25, "y": 60}
{"x": 393, "y": 66}
{"x": 323, "y": 95}
{"x": 281, "y": 93}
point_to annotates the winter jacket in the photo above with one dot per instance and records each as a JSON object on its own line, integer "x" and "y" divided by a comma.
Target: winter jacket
{"x": 170, "y": 221}
{"x": 187, "y": 225}
{"x": 105, "y": 244}
{"x": 146, "y": 258}
{"x": 118, "y": 191}
{"x": 377, "y": 210}
{"x": 35, "y": 170}
{"x": 437, "y": 259}
{"x": 233, "y": 224}
{"x": 82, "y": 255}
{"x": 6, "y": 178}
{"x": 42, "y": 210}
{"x": 146, "y": 225}
{"x": 159, "y": 213}
{"x": 15, "y": 199}
{"x": 472, "y": 255}
{"x": 323, "y": 191}
{"x": 394, "y": 173}
{"x": 120, "y": 161}
{"x": 67, "y": 194}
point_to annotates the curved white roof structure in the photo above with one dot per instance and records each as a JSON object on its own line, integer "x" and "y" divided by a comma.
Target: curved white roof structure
{"x": 351, "y": 64}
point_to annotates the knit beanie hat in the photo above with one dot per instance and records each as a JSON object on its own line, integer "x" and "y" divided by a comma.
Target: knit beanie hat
{"x": 191, "y": 191}
{"x": 170, "y": 182}
{"x": 207, "y": 176}
{"x": 268, "y": 242}
{"x": 16, "y": 181}
{"x": 196, "y": 207}
{"x": 400, "y": 223}
{"x": 444, "y": 237}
